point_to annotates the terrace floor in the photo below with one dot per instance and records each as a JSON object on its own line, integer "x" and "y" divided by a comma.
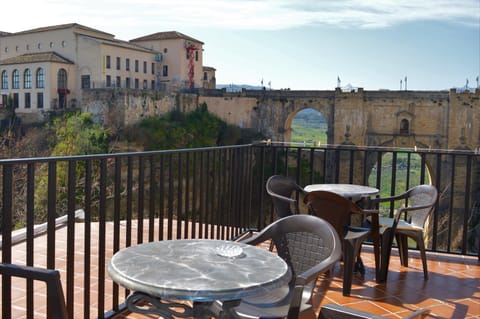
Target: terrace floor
{"x": 453, "y": 290}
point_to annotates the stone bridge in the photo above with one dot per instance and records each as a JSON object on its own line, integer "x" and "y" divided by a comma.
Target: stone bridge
{"x": 425, "y": 119}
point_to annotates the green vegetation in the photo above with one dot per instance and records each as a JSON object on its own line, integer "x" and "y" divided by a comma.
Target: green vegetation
{"x": 77, "y": 134}
{"x": 176, "y": 130}
{"x": 309, "y": 126}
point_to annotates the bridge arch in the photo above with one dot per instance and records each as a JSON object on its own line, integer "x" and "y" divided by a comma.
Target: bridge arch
{"x": 300, "y": 106}
{"x": 313, "y": 122}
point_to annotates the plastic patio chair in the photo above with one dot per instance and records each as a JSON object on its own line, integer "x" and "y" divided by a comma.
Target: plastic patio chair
{"x": 337, "y": 210}
{"x": 281, "y": 188}
{"x": 310, "y": 246}
{"x": 419, "y": 203}
{"x": 56, "y": 308}
{"x": 333, "y": 311}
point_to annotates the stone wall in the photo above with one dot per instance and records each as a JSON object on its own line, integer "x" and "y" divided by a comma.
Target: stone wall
{"x": 434, "y": 119}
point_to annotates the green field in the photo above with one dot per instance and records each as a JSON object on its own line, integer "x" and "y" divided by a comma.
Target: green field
{"x": 309, "y": 126}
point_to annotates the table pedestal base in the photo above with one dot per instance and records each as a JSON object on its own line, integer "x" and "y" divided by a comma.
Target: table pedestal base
{"x": 145, "y": 304}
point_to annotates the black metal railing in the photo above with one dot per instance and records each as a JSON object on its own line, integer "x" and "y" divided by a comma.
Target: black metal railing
{"x": 218, "y": 192}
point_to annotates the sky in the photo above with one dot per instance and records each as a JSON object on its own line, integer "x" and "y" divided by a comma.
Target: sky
{"x": 294, "y": 44}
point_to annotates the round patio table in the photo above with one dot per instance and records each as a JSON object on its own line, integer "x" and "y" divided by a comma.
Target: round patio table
{"x": 352, "y": 191}
{"x": 201, "y": 271}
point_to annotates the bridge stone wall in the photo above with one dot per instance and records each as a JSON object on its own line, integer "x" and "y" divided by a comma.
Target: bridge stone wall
{"x": 426, "y": 119}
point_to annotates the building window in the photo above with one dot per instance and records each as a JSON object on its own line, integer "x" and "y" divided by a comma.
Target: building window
{"x": 196, "y": 55}
{"x": 15, "y": 100}
{"x": 153, "y": 68}
{"x": 205, "y": 76}
{"x": 145, "y": 84}
{"x": 165, "y": 70}
{"x": 107, "y": 61}
{"x": 118, "y": 63}
{"x": 136, "y": 65}
{"x": 404, "y": 126}
{"x": 127, "y": 82}
{"x": 40, "y": 79}
{"x": 4, "y": 100}
{"x": 85, "y": 81}
{"x": 108, "y": 81}
{"x": 27, "y": 101}
{"x": 27, "y": 79}
{"x": 137, "y": 84}
{"x": 144, "y": 66}
{"x": 62, "y": 79}
{"x": 153, "y": 85}
{"x": 127, "y": 64}
{"x": 4, "y": 80}
{"x": 15, "y": 79}
{"x": 40, "y": 100}
{"x": 62, "y": 88}
{"x": 118, "y": 82}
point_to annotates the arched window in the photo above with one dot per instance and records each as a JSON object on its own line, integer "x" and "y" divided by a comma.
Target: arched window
{"x": 27, "y": 79}
{"x": 4, "y": 80}
{"x": 62, "y": 79}
{"x": 40, "y": 79}
{"x": 404, "y": 126}
{"x": 15, "y": 79}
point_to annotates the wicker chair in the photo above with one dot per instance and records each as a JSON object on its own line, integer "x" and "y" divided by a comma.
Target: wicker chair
{"x": 310, "y": 246}
{"x": 337, "y": 210}
{"x": 419, "y": 202}
{"x": 332, "y": 311}
{"x": 56, "y": 308}
{"x": 281, "y": 188}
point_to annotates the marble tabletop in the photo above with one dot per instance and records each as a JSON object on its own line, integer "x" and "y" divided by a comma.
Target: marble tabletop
{"x": 198, "y": 270}
{"x": 346, "y": 190}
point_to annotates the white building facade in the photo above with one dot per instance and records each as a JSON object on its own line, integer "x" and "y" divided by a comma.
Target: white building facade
{"x": 48, "y": 68}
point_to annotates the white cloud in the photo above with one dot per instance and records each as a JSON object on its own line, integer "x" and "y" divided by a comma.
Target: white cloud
{"x": 233, "y": 14}
{"x": 281, "y": 14}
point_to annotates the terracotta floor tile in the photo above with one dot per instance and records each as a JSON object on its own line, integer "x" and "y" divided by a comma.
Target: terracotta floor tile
{"x": 452, "y": 291}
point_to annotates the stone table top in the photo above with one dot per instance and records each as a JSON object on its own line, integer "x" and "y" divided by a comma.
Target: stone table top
{"x": 346, "y": 190}
{"x": 200, "y": 270}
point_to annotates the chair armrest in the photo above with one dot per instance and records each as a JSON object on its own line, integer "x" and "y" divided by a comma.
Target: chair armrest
{"x": 286, "y": 199}
{"x": 387, "y": 199}
{"x": 401, "y": 210}
{"x": 255, "y": 239}
{"x": 313, "y": 273}
{"x": 29, "y": 272}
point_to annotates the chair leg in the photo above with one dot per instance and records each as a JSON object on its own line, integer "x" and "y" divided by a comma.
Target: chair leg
{"x": 348, "y": 263}
{"x": 402, "y": 242}
{"x": 386, "y": 248}
{"x": 421, "y": 247}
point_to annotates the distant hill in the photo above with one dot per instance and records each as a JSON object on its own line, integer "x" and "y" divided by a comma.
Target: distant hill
{"x": 239, "y": 87}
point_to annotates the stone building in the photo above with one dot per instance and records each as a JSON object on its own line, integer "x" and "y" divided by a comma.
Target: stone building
{"x": 51, "y": 67}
